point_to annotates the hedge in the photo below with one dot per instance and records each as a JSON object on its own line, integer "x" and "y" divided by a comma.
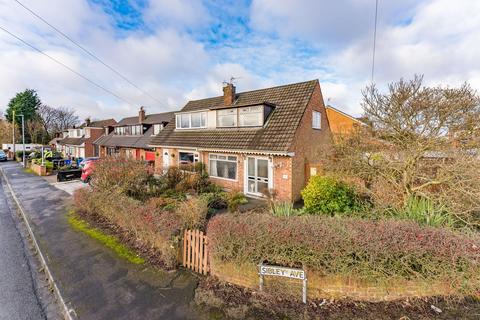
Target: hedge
{"x": 367, "y": 250}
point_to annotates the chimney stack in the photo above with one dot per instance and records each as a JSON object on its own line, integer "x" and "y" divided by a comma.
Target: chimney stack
{"x": 228, "y": 94}
{"x": 88, "y": 121}
{"x": 141, "y": 115}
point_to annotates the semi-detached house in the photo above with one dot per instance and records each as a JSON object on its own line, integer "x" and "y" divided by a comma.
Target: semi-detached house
{"x": 131, "y": 136}
{"x": 78, "y": 141}
{"x": 258, "y": 142}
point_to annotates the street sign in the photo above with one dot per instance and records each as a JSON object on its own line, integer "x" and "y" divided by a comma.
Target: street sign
{"x": 299, "y": 274}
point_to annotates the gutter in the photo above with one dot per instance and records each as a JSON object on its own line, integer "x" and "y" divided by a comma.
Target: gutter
{"x": 264, "y": 152}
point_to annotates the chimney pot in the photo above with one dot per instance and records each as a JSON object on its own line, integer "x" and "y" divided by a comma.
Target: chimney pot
{"x": 229, "y": 94}
{"x": 141, "y": 115}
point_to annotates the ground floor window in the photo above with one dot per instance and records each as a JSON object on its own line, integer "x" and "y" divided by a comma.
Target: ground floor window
{"x": 223, "y": 166}
{"x": 187, "y": 160}
{"x": 111, "y": 151}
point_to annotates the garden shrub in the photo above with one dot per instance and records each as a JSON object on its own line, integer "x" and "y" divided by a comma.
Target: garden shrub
{"x": 284, "y": 209}
{"x": 151, "y": 224}
{"x": 330, "y": 196}
{"x": 124, "y": 176}
{"x": 192, "y": 213}
{"x": 363, "y": 249}
{"x": 235, "y": 200}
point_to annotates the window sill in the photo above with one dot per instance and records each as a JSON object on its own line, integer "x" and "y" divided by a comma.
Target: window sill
{"x": 226, "y": 179}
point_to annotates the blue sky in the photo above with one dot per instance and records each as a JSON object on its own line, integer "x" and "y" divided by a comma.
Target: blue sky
{"x": 185, "y": 49}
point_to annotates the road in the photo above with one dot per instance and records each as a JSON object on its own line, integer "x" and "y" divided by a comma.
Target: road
{"x": 19, "y": 293}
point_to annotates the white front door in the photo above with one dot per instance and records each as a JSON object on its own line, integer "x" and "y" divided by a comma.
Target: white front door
{"x": 258, "y": 177}
{"x": 166, "y": 159}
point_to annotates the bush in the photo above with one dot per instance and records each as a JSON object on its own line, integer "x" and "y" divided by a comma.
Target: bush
{"x": 426, "y": 212}
{"x": 362, "y": 249}
{"x": 150, "y": 224}
{"x": 235, "y": 200}
{"x": 124, "y": 176}
{"x": 284, "y": 209}
{"x": 192, "y": 213}
{"x": 329, "y": 196}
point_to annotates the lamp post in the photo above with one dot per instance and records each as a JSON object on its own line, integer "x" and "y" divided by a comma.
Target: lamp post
{"x": 13, "y": 137}
{"x": 23, "y": 138}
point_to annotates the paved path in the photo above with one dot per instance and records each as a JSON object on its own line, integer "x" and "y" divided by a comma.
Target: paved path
{"x": 18, "y": 284}
{"x": 93, "y": 280}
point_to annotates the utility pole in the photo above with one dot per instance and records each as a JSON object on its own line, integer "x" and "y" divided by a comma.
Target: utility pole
{"x": 13, "y": 122}
{"x": 23, "y": 138}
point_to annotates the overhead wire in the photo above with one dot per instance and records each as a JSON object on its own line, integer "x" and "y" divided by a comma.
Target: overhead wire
{"x": 90, "y": 53}
{"x": 66, "y": 66}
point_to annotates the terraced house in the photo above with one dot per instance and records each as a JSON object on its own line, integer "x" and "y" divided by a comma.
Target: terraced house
{"x": 78, "y": 141}
{"x": 258, "y": 142}
{"x": 131, "y": 136}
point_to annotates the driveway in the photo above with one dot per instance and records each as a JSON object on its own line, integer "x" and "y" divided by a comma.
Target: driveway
{"x": 67, "y": 186}
{"x": 94, "y": 282}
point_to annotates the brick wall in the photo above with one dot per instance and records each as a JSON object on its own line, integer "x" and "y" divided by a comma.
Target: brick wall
{"x": 95, "y": 133}
{"x": 329, "y": 287}
{"x": 310, "y": 144}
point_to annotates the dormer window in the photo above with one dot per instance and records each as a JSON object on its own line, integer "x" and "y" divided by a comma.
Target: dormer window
{"x": 191, "y": 120}
{"x": 227, "y": 118}
{"x": 157, "y": 128}
{"x": 250, "y": 116}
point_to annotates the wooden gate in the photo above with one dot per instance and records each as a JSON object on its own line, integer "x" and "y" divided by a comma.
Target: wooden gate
{"x": 195, "y": 251}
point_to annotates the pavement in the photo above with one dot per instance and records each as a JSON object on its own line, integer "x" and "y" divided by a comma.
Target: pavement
{"x": 94, "y": 282}
{"x": 24, "y": 293}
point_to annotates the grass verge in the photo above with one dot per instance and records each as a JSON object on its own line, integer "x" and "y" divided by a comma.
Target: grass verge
{"x": 109, "y": 241}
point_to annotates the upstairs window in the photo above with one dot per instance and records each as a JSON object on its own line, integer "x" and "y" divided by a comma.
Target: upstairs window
{"x": 157, "y": 128}
{"x": 227, "y": 118}
{"x": 250, "y": 116}
{"x": 191, "y": 120}
{"x": 316, "y": 120}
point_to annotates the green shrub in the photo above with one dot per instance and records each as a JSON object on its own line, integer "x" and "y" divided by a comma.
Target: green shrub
{"x": 366, "y": 250}
{"x": 330, "y": 196}
{"x": 284, "y": 209}
{"x": 426, "y": 212}
{"x": 235, "y": 200}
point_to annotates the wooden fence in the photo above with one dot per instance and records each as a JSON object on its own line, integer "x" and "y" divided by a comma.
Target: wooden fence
{"x": 195, "y": 251}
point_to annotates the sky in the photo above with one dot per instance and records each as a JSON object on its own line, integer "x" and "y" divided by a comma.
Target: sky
{"x": 185, "y": 49}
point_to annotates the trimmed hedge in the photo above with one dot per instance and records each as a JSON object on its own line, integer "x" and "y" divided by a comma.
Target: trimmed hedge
{"x": 367, "y": 250}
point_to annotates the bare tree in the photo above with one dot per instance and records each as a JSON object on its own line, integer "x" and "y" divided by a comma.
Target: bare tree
{"x": 57, "y": 119}
{"x": 423, "y": 142}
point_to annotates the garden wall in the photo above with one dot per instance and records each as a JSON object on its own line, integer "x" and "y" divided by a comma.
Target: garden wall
{"x": 328, "y": 287}
{"x": 39, "y": 169}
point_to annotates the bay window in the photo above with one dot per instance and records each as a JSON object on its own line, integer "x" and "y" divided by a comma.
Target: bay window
{"x": 222, "y": 166}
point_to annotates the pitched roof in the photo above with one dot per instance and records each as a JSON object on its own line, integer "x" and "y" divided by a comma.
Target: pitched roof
{"x": 113, "y": 140}
{"x": 72, "y": 141}
{"x": 149, "y": 119}
{"x": 277, "y": 134}
{"x": 99, "y": 123}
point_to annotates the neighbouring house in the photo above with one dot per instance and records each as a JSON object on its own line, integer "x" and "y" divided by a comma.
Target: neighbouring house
{"x": 258, "y": 142}
{"x": 131, "y": 136}
{"x": 78, "y": 142}
{"x": 57, "y": 137}
{"x": 341, "y": 123}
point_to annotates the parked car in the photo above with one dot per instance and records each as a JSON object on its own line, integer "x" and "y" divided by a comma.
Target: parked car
{"x": 87, "y": 170}
{"x": 3, "y": 156}
{"x": 86, "y": 160}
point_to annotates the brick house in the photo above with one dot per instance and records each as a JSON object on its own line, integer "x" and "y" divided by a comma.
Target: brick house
{"x": 78, "y": 141}
{"x": 131, "y": 136}
{"x": 342, "y": 123}
{"x": 255, "y": 142}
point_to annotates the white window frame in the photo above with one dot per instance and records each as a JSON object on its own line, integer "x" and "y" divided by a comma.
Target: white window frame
{"x": 316, "y": 114}
{"x": 235, "y": 115}
{"x": 262, "y": 112}
{"x": 178, "y": 122}
{"x": 157, "y": 128}
{"x": 196, "y": 157}
{"x": 226, "y": 160}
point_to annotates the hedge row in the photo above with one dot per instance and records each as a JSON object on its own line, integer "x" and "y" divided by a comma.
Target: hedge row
{"x": 367, "y": 250}
{"x": 156, "y": 224}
